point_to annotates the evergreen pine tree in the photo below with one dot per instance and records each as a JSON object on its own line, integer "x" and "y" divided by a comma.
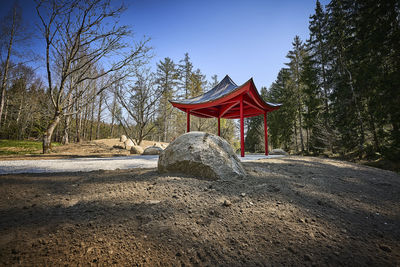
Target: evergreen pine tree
{"x": 167, "y": 80}
{"x": 296, "y": 58}
{"x": 185, "y": 69}
{"x": 281, "y": 122}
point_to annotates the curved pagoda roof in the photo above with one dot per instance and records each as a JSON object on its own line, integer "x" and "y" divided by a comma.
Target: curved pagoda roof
{"x": 223, "y": 101}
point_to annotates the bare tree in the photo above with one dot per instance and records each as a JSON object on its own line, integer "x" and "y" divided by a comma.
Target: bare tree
{"x": 9, "y": 32}
{"x": 139, "y": 101}
{"x": 99, "y": 110}
{"x": 80, "y": 34}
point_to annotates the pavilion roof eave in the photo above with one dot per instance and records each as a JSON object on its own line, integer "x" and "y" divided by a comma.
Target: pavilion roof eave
{"x": 213, "y": 102}
{"x": 248, "y": 86}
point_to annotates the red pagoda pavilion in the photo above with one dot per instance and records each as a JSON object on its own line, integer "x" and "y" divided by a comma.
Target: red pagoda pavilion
{"x": 229, "y": 101}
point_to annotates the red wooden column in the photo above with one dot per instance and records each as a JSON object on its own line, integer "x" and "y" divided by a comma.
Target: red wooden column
{"x": 241, "y": 128}
{"x": 219, "y": 127}
{"x": 266, "y": 133}
{"x": 188, "y": 120}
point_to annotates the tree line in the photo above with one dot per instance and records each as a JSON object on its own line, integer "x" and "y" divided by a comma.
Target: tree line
{"x": 340, "y": 87}
{"x": 96, "y": 83}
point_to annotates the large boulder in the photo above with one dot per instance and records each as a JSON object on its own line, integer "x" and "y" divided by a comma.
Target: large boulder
{"x": 122, "y": 138}
{"x": 136, "y": 150}
{"x": 278, "y": 151}
{"x": 128, "y": 144}
{"x": 203, "y": 155}
{"x": 152, "y": 150}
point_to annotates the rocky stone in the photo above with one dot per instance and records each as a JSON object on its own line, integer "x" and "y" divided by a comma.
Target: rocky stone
{"x": 202, "y": 155}
{"x": 123, "y": 138}
{"x": 129, "y": 144}
{"x": 278, "y": 151}
{"x": 152, "y": 150}
{"x": 227, "y": 203}
{"x": 136, "y": 150}
{"x": 119, "y": 146}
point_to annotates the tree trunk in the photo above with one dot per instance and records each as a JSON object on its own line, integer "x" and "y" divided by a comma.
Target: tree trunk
{"x": 65, "y": 139}
{"x": 326, "y": 107}
{"x": 295, "y": 136}
{"x": 301, "y": 131}
{"x": 165, "y": 124}
{"x": 91, "y": 121}
{"x": 19, "y": 110}
{"x": 99, "y": 116}
{"x": 373, "y": 130}
{"x": 112, "y": 121}
{"x": 5, "y": 113}
{"x": 49, "y": 133}
{"x": 84, "y": 127}
{"x": 356, "y": 103}
{"x": 78, "y": 127}
{"x": 7, "y": 64}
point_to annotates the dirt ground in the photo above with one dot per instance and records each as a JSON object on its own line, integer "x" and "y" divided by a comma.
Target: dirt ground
{"x": 288, "y": 211}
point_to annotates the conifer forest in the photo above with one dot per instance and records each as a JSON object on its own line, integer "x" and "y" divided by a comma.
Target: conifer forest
{"x": 340, "y": 87}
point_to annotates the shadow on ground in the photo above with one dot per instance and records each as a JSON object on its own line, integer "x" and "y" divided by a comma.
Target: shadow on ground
{"x": 290, "y": 211}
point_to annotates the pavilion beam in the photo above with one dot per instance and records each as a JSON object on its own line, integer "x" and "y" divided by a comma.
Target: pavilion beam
{"x": 254, "y": 106}
{"x": 188, "y": 120}
{"x": 233, "y": 116}
{"x": 241, "y": 128}
{"x": 266, "y": 133}
{"x": 226, "y": 108}
{"x": 201, "y": 113}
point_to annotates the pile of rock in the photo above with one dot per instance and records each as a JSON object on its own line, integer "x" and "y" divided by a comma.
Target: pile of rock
{"x": 131, "y": 145}
{"x": 153, "y": 150}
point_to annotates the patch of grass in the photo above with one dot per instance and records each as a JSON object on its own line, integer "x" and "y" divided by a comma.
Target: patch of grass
{"x": 21, "y": 147}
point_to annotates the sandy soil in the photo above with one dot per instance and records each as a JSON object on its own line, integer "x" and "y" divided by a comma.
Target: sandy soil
{"x": 289, "y": 211}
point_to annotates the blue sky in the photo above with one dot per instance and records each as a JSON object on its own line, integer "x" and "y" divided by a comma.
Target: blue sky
{"x": 241, "y": 38}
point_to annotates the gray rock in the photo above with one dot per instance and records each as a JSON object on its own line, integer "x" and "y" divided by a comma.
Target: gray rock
{"x": 123, "y": 138}
{"x": 136, "y": 150}
{"x": 128, "y": 144}
{"x": 278, "y": 151}
{"x": 203, "y": 155}
{"x": 119, "y": 146}
{"x": 152, "y": 150}
{"x": 227, "y": 203}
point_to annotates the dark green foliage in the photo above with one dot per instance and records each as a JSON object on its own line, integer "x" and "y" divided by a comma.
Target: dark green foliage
{"x": 254, "y": 141}
{"x": 280, "y": 123}
{"x": 340, "y": 93}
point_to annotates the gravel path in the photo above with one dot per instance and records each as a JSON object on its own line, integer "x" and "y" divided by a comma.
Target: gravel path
{"x": 88, "y": 164}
